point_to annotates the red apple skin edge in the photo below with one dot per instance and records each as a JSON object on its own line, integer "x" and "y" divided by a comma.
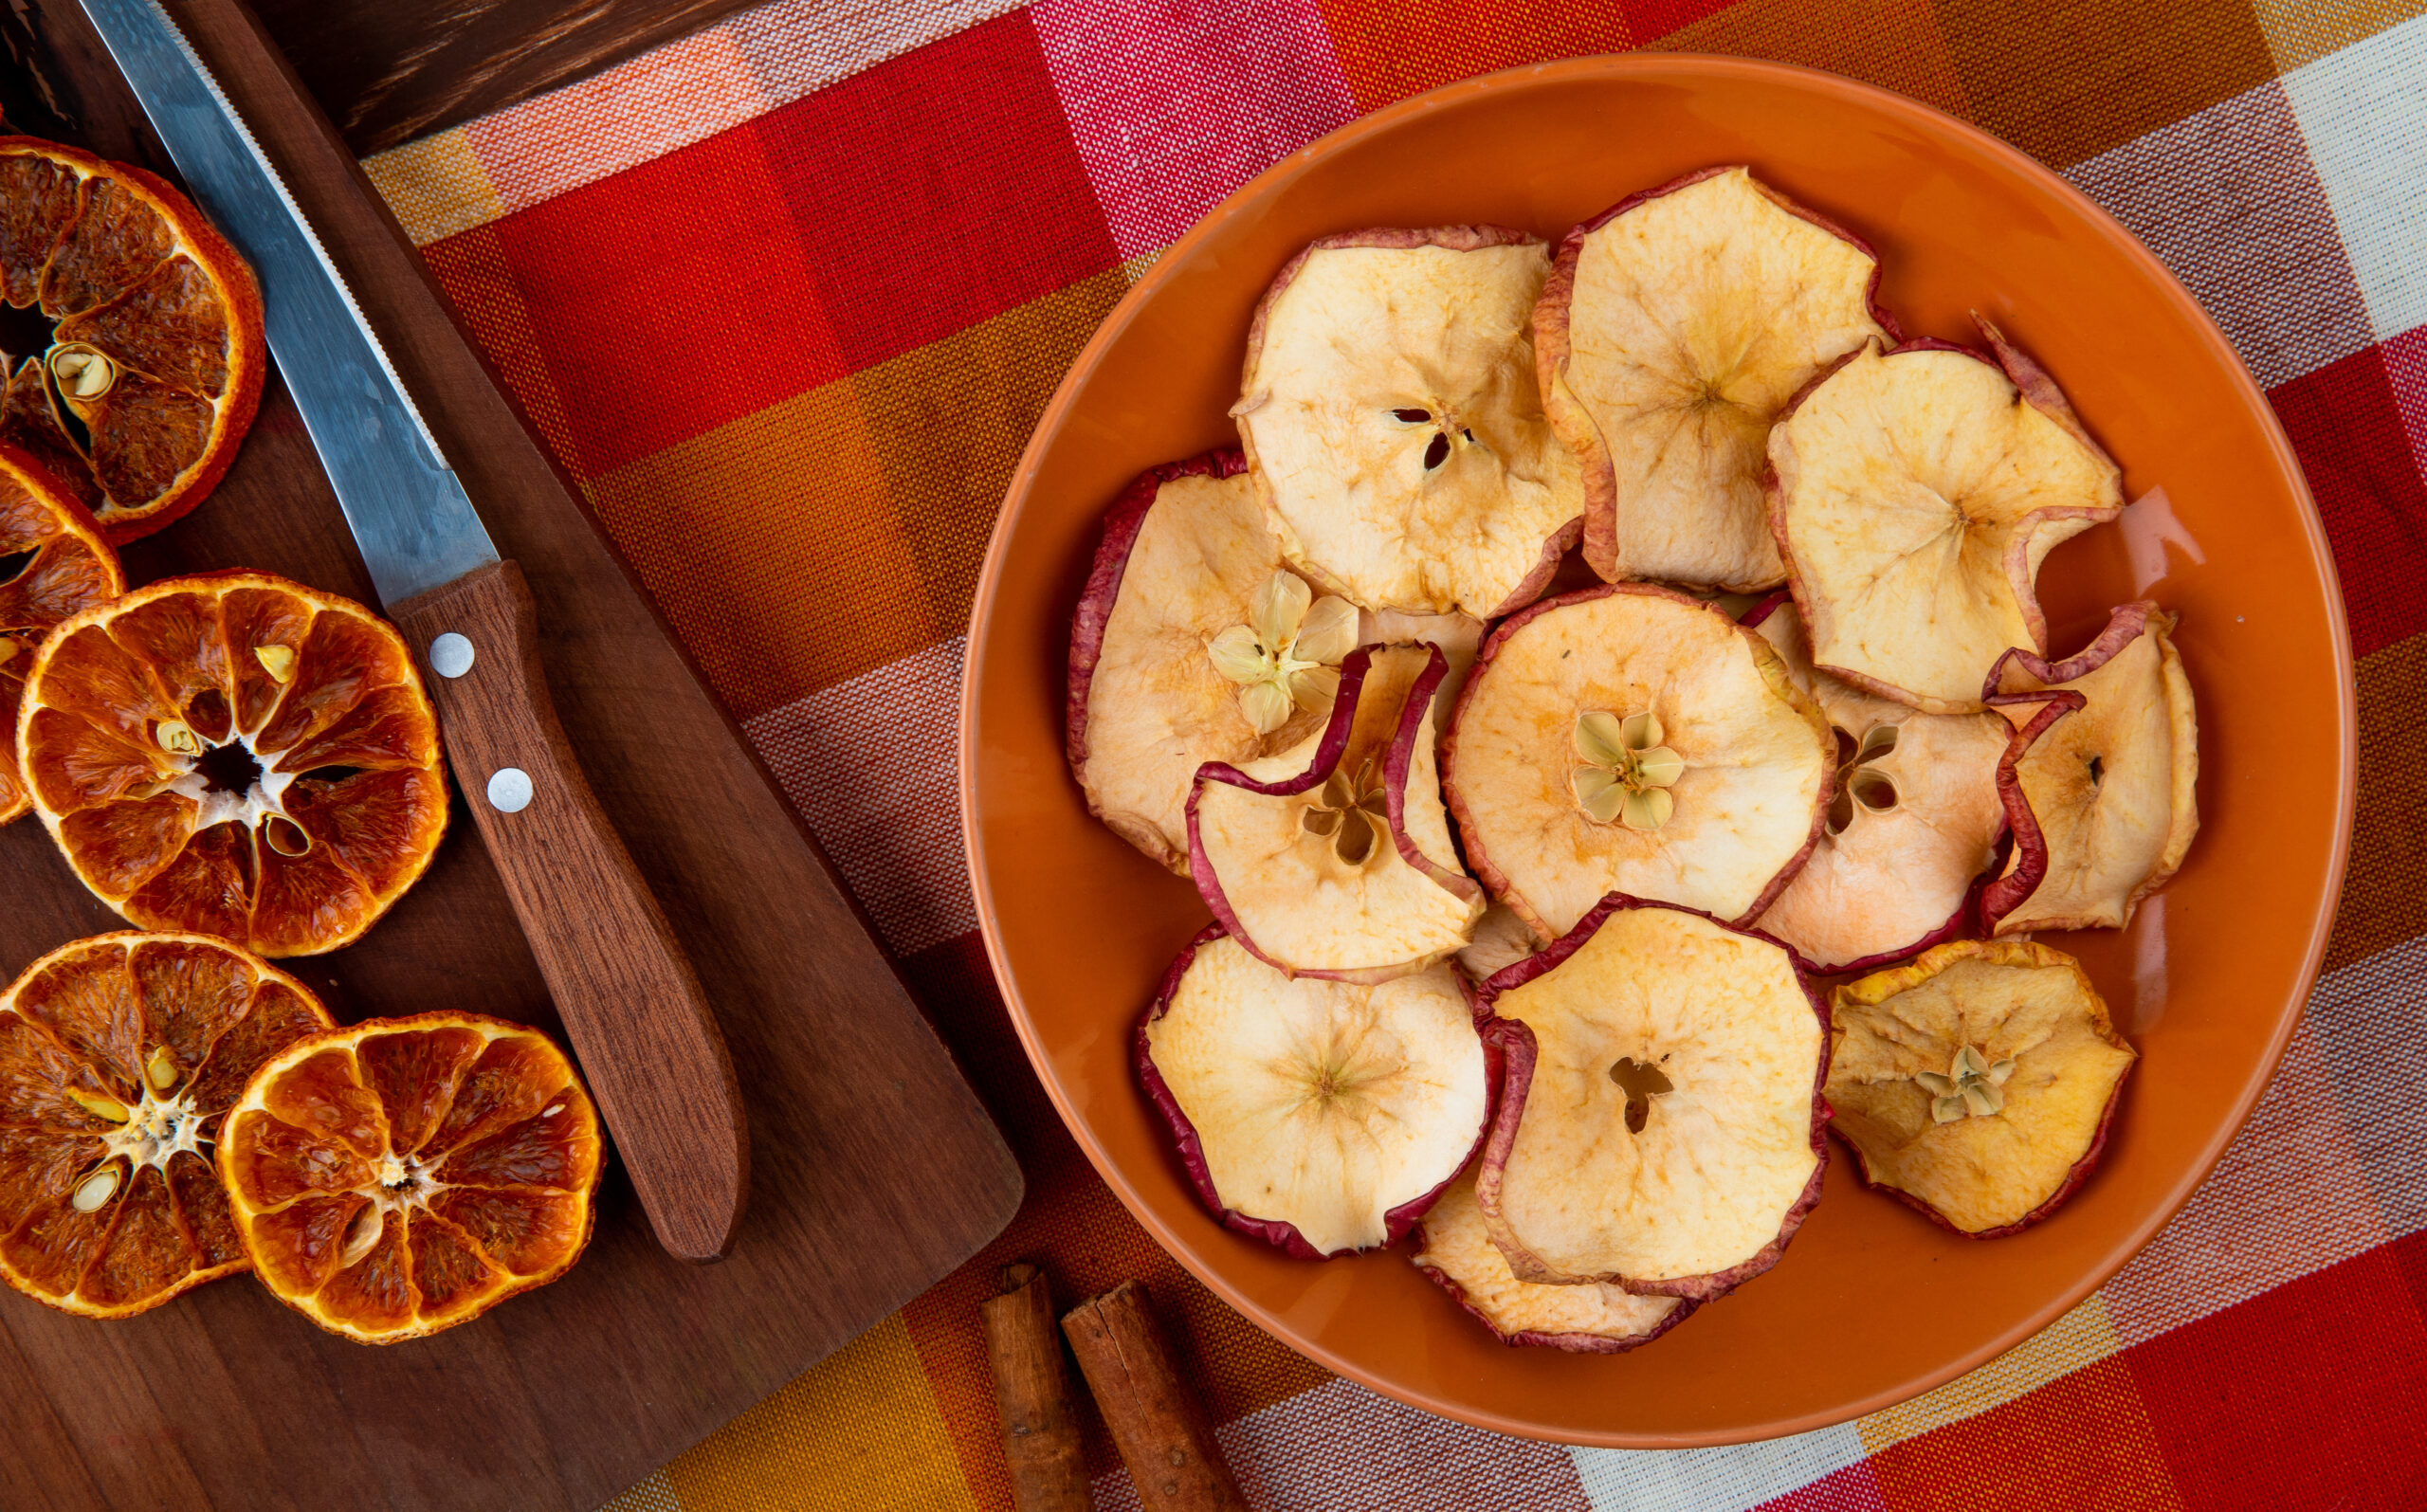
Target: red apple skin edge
{"x": 2040, "y": 392}
{"x": 1517, "y": 1054}
{"x": 1539, "y": 1339}
{"x": 2127, "y": 624}
{"x": 1122, "y": 523}
{"x": 1448, "y": 238}
{"x": 1277, "y": 1232}
{"x": 1496, "y": 881}
{"x": 1554, "y": 342}
{"x": 1956, "y": 922}
{"x": 2073, "y": 1179}
{"x": 1396, "y": 764}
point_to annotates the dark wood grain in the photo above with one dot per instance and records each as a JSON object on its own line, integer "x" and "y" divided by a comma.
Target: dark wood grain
{"x": 388, "y": 70}
{"x": 631, "y": 1003}
{"x": 874, "y": 1170}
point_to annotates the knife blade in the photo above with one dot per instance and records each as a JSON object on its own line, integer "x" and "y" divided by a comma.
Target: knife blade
{"x": 641, "y": 1025}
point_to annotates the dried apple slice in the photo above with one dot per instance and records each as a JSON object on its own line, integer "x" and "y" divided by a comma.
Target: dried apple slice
{"x": 1390, "y": 413}
{"x": 1915, "y": 493}
{"x": 1194, "y": 642}
{"x": 1334, "y": 859}
{"x": 1915, "y": 821}
{"x": 1675, "y": 327}
{"x": 1977, "y": 1084}
{"x": 1184, "y": 558}
{"x": 1660, "y": 1115}
{"x": 1595, "y": 1319}
{"x": 1628, "y": 738}
{"x": 2100, "y": 788}
{"x": 1322, "y": 1116}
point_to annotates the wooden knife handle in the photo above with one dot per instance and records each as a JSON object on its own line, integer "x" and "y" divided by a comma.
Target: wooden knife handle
{"x": 649, "y": 1044}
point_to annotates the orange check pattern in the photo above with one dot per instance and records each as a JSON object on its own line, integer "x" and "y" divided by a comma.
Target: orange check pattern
{"x": 787, "y": 297}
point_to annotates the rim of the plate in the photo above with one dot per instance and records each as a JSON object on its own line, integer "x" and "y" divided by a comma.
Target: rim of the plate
{"x": 1626, "y": 67}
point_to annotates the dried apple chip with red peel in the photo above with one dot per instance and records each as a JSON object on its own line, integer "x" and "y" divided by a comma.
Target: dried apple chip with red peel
{"x": 2100, "y": 786}
{"x": 1978, "y": 1082}
{"x": 1594, "y": 1317}
{"x": 53, "y": 562}
{"x": 1194, "y": 642}
{"x": 1660, "y": 1116}
{"x": 1914, "y": 493}
{"x": 1915, "y": 821}
{"x": 119, "y": 1056}
{"x": 237, "y": 754}
{"x": 1184, "y": 555}
{"x": 1320, "y": 1116}
{"x": 400, "y": 1176}
{"x": 1675, "y": 327}
{"x": 1334, "y": 859}
{"x": 1627, "y": 737}
{"x": 1390, "y": 414}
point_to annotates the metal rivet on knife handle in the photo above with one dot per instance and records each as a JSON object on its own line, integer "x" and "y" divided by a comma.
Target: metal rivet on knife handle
{"x": 451, "y": 655}
{"x": 509, "y": 790}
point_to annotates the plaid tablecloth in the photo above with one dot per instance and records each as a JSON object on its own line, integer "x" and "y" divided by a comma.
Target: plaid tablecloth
{"x": 787, "y": 297}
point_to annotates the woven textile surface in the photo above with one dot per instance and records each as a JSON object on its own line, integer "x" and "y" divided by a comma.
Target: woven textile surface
{"x": 787, "y": 297}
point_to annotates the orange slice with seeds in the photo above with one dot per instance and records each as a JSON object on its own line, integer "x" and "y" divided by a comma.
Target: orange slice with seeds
{"x": 152, "y": 365}
{"x": 236, "y": 755}
{"x": 119, "y": 1057}
{"x": 407, "y": 1174}
{"x": 52, "y": 564}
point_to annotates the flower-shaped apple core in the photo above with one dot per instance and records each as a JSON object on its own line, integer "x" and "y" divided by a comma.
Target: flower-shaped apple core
{"x": 1287, "y": 655}
{"x": 1675, "y": 327}
{"x": 1334, "y": 858}
{"x": 1915, "y": 493}
{"x": 1706, "y": 791}
{"x": 1975, "y": 1083}
{"x": 1860, "y": 784}
{"x": 1627, "y": 773}
{"x": 1390, "y": 410}
{"x": 1969, "y": 1085}
{"x": 1353, "y": 812}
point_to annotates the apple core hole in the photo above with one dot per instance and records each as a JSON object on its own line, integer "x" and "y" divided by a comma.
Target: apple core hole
{"x": 1437, "y": 453}
{"x": 1641, "y": 1081}
{"x": 1413, "y": 417}
{"x": 2097, "y": 772}
{"x": 1874, "y": 790}
{"x": 228, "y": 767}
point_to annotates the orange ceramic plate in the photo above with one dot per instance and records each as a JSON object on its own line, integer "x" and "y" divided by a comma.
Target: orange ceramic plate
{"x": 1872, "y": 1304}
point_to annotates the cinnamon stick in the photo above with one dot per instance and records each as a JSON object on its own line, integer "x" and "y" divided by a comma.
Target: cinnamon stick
{"x": 1157, "y": 1424}
{"x": 1041, "y": 1445}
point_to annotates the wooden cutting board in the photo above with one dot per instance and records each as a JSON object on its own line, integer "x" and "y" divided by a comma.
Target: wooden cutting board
{"x": 874, "y": 1168}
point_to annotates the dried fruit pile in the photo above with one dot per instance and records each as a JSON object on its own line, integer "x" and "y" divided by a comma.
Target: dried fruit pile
{"x": 252, "y": 768}
{"x": 1542, "y": 925}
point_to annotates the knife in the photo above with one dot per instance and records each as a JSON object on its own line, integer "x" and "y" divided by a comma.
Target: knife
{"x": 647, "y": 1039}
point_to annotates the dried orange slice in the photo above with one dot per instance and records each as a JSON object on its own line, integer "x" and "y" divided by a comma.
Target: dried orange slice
{"x": 52, "y": 564}
{"x": 152, "y": 365}
{"x": 119, "y": 1056}
{"x": 236, "y": 755}
{"x": 407, "y": 1174}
